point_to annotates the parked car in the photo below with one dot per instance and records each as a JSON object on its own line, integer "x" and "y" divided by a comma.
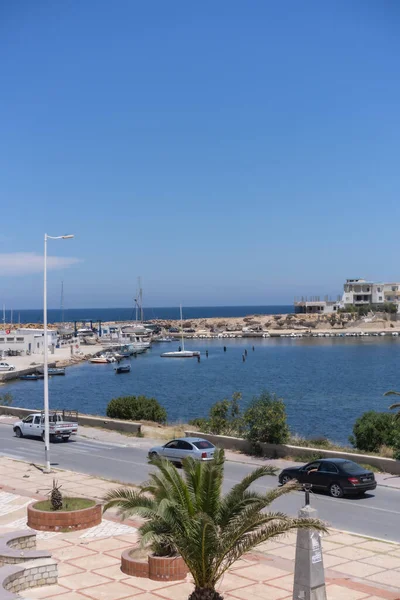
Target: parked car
{"x": 181, "y": 448}
{"x": 338, "y": 476}
{"x": 5, "y": 366}
{"x": 33, "y": 425}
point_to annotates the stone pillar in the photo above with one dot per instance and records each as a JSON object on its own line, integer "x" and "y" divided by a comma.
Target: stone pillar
{"x": 309, "y": 577}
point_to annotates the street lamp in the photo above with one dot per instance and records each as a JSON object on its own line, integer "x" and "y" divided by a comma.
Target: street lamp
{"x": 46, "y": 349}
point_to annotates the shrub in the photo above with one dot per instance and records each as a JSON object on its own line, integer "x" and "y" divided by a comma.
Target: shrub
{"x": 265, "y": 419}
{"x": 373, "y": 430}
{"x": 200, "y": 423}
{"x": 136, "y": 408}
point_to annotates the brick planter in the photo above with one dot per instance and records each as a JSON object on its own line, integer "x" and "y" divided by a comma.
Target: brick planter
{"x": 59, "y": 520}
{"x": 158, "y": 568}
{"x": 162, "y": 568}
{"x": 136, "y": 567}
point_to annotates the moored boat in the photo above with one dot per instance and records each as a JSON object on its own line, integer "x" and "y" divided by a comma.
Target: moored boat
{"x": 29, "y": 377}
{"x": 180, "y": 354}
{"x": 123, "y": 369}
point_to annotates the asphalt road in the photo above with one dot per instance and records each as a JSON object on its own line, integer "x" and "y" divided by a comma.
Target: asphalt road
{"x": 377, "y": 514}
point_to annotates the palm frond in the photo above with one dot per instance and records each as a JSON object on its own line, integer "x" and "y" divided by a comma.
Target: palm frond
{"x": 391, "y": 393}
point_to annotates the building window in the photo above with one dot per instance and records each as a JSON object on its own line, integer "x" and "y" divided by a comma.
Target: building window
{"x": 379, "y": 289}
{"x": 380, "y": 298}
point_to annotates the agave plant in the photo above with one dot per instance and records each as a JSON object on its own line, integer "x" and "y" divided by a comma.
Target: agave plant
{"x": 189, "y": 515}
{"x": 396, "y": 405}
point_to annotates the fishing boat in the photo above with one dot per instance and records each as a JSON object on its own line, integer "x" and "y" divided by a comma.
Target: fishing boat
{"x": 181, "y": 353}
{"x": 122, "y": 369}
{"x": 29, "y": 377}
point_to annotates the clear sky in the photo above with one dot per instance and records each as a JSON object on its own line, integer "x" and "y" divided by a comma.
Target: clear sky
{"x": 229, "y": 152}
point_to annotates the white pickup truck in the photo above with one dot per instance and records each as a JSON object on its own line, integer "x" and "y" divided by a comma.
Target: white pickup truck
{"x": 60, "y": 428}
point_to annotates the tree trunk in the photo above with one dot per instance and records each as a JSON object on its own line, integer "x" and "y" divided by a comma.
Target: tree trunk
{"x": 205, "y": 594}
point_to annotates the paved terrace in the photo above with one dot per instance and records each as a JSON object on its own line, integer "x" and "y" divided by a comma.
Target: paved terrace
{"x": 357, "y": 568}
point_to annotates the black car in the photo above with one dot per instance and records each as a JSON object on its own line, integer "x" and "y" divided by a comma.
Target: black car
{"x": 338, "y": 476}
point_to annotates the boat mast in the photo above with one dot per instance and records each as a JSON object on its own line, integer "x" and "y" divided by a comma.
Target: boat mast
{"x": 62, "y": 302}
{"x": 11, "y": 319}
{"x": 4, "y": 315}
{"x": 183, "y": 343}
{"x": 140, "y": 298}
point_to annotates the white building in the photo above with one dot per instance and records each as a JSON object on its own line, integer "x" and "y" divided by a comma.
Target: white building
{"x": 31, "y": 341}
{"x": 360, "y": 292}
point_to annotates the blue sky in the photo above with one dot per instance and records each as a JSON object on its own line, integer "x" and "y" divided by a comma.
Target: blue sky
{"x": 229, "y": 152}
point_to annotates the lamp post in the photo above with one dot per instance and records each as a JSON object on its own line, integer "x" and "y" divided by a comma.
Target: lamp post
{"x": 46, "y": 350}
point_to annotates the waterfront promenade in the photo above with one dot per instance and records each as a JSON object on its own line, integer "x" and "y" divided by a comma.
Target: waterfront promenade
{"x": 356, "y": 567}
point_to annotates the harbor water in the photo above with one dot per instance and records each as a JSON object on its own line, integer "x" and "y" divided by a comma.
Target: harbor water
{"x": 326, "y": 383}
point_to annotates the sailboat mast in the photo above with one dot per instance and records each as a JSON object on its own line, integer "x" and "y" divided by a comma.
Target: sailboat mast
{"x": 62, "y": 302}
{"x": 4, "y": 315}
{"x": 183, "y": 343}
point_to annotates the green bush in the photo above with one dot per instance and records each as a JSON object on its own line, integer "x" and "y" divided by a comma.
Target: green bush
{"x": 224, "y": 418}
{"x": 265, "y": 419}
{"x": 374, "y": 429}
{"x": 136, "y": 408}
{"x": 200, "y": 423}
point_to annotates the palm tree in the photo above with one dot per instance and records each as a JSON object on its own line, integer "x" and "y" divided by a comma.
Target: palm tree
{"x": 189, "y": 515}
{"x": 396, "y": 404}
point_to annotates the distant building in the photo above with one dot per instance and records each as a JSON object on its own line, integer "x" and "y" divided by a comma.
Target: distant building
{"x": 357, "y": 292}
{"x": 360, "y": 292}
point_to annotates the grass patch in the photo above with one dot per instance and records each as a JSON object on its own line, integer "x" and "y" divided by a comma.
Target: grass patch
{"x": 69, "y": 504}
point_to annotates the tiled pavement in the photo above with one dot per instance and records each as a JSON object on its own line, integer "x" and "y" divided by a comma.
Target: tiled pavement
{"x": 356, "y": 568}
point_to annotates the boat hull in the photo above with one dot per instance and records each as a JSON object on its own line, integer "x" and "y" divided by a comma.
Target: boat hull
{"x": 181, "y": 354}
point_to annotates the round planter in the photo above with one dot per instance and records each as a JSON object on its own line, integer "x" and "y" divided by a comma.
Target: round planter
{"x": 166, "y": 568}
{"x": 136, "y": 567}
{"x": 158, "y": 568}
{"x": 60, "y": 520}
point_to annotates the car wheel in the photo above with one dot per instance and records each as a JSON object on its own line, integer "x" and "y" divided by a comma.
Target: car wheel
{"x": 43, "y": 437}
{"x": 335, "y": 490}
{"x": 66, "y": 438}
{"x": 285, "y": 479}
{"x": 18, "y": 432}
{"x": 153, "y": 455}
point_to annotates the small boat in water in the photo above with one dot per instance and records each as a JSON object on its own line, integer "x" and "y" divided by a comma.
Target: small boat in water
{"x": 123, "y": 369}
{"x": 56, "y": 371}
{"x": 181, "y": 353}
{"x": 30, "y": 377}
{"x": 99, "y": 360}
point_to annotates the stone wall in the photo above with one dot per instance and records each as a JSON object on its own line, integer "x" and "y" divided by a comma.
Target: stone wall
{"x": 388, "y": 465}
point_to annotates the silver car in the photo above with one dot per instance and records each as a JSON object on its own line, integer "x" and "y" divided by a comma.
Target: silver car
{"x": 181, "y": 448}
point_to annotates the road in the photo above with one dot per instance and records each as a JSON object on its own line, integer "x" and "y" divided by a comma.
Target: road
{"x": 376, "y": 515}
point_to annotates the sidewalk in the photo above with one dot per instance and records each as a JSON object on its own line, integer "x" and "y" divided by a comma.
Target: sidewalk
{"x": 356, "y": 568}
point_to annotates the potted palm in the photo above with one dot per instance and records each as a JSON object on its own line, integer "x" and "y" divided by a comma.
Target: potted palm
{"x": 208, "y": 530}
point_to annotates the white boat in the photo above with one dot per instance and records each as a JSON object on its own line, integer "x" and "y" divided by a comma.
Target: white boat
{"x": 99, "y": 360}
{"x": 181, "y": 353}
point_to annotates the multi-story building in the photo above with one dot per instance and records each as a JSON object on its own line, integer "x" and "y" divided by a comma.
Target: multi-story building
{"x": 360, "y": 292}
{"x": 357, "y": 292}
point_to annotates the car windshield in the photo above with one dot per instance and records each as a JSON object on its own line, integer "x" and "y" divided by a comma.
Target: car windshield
{"x": 202, "y": 445}
{"x": 351, "y": 467}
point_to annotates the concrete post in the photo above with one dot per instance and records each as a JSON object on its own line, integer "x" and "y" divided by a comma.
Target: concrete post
{"x": 309, "y": 577}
